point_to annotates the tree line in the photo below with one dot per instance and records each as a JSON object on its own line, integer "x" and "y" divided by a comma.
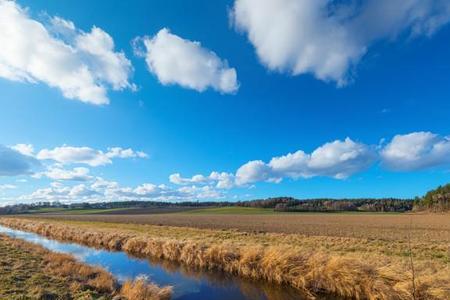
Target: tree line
{"x": 49, "y": 206}
{"x": 289, "y": 204}
{"x": 437, "y": 200}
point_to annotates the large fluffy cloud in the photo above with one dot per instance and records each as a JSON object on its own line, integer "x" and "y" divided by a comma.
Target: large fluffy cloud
{"x": 87, "y": 155}
{"x": 80, "y": 64}
{"x": 13, "y": 163}
{"x": 416, "y": 151}
{"x": 175, "y": 60}
{"x": 254, "y": 171}
{"x": 81, "y": 155}
{"x": 326, "y": 38}
{"x": 338, "y": 159}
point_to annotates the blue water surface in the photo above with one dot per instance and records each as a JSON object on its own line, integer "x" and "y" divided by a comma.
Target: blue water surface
{"x": 187, "y": 284}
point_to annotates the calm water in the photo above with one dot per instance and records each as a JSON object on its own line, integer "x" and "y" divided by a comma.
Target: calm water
{"x": 187, "y": 284}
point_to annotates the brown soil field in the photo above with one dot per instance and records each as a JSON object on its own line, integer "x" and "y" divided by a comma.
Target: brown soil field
{"x": 359, "y": 256}
{"x": 386, "y": 227}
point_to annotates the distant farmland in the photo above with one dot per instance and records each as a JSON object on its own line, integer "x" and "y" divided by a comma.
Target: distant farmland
{"x": 388, "y": 226}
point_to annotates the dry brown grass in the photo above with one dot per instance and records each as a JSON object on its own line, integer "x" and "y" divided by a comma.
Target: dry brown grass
{"x": 39, "y": 274}
{"x": 50, "y": 275}
{"x": 141, "y": 290}
{"x": 81, "y": 275}
{"x": 312, "y": 264}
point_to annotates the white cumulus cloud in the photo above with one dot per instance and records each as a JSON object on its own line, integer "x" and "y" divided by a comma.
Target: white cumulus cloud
{"x": 338, "y": 159}
{"x": 416, "y": 151}
{"x": 175, "y": 60}
{"x": 221, "y": 180}
{"x": 87, "y": 155}
{"x": 254, "y": 171}
{"x": 25, "y": 149}
{"x": 327, "y": 38}
{"x": 125, "y": 153}
{"x": 103, "y": 190}
{"x": 56, "y": 173}
{"x": 70, "y": 155}
{"x": 196, "y": 179}
{"x": 82, "y": 65}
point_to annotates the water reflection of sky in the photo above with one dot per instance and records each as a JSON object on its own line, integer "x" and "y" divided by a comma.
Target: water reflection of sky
{"x": 188, "y": 284}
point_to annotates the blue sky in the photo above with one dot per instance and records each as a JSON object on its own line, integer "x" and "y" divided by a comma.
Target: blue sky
{"x": 229, "y": 87}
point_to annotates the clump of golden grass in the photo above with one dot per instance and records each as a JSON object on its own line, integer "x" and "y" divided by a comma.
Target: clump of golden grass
{"x": 343, "y": 274}
{"x": 80, "y": 274}
{"x": 81, "y": 277}
{"x": 141, "y": 290}
{"x": 93, "y": 277}
{"x": 101, "y": 281}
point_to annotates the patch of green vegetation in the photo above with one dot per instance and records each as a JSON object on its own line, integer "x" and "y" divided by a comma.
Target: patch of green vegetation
{"x": 91, "y": 211}
{"x": 46, "y": 210}
{"x": 232, "y": 210}
{"x": 74, "y": 211}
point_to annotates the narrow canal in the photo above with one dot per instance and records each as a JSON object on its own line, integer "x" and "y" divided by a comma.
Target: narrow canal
{"x": 187, "y": 284}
